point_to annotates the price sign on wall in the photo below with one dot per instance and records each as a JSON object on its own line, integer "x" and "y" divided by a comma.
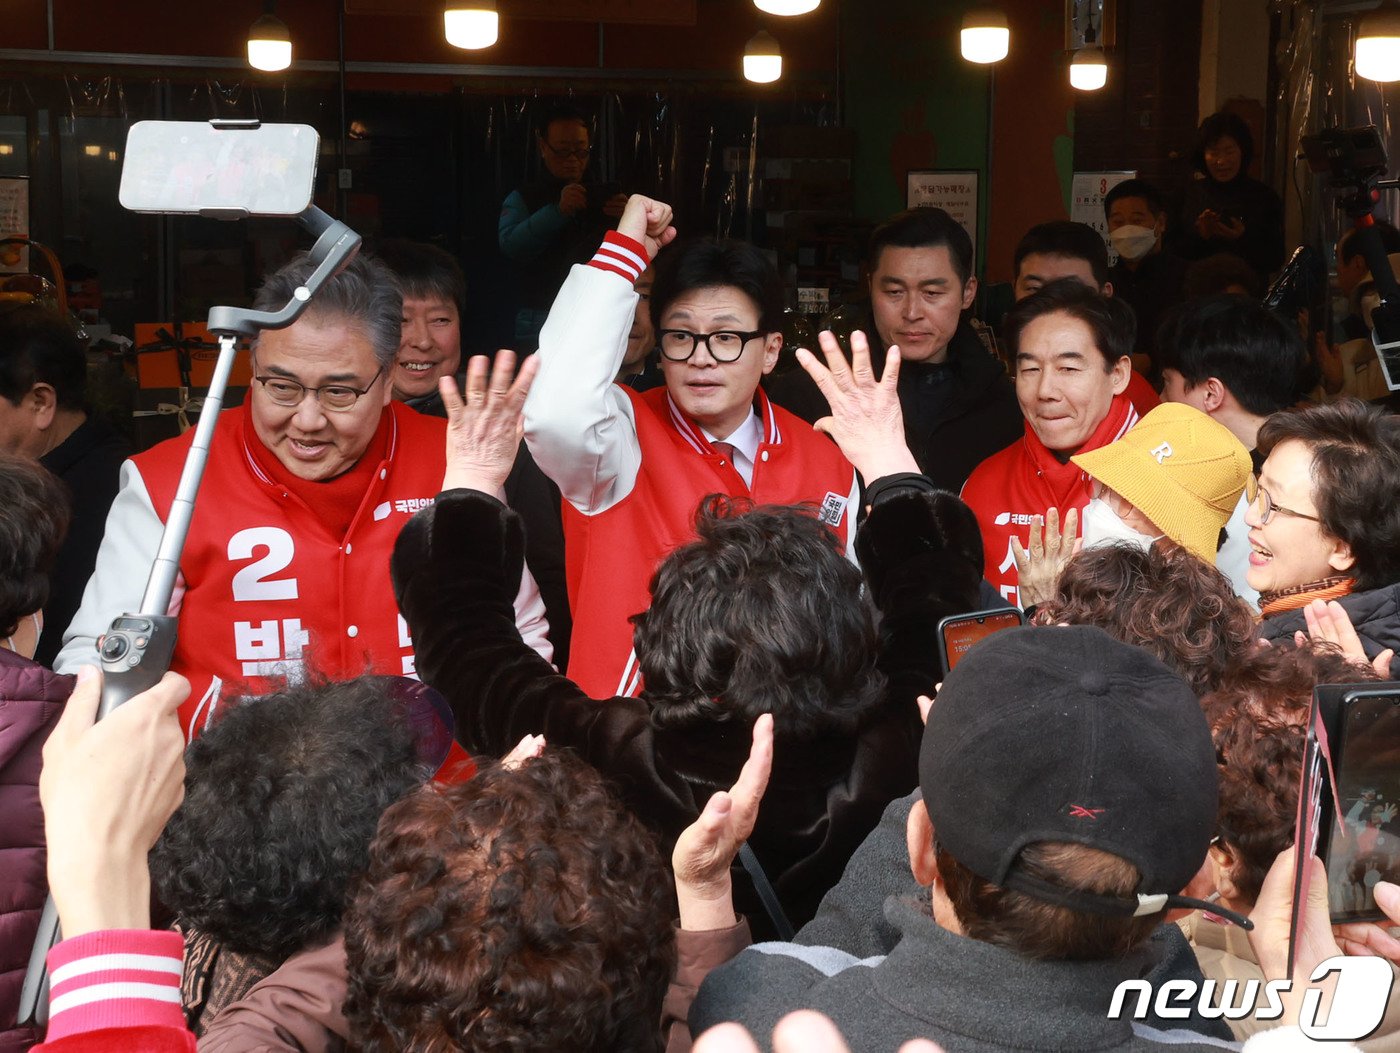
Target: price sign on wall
{"x": 953, "y": 191}
{"x": 14, "y": 222}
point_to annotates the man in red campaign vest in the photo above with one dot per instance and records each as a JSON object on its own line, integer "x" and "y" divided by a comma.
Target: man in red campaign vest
{"x": 307, "y": 486}
{"x": 633, "y": 468}
{"x": 1072, "y": 348}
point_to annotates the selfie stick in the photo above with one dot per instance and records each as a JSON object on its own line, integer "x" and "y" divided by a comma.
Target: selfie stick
{"x": 137, "y": 648}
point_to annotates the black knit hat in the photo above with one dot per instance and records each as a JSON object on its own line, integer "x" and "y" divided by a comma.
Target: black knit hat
{"x": 1065, "y": 734}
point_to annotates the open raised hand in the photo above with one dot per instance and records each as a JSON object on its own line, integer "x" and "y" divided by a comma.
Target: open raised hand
{"x": 866, "y": 419}
{"x": 707, "y": 847}
{"x": 1040, "y": 561}
{"x": 485, "y": 428}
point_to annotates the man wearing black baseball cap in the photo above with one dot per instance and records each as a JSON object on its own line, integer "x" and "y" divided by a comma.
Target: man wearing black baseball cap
{"x": 1068, "y": 787}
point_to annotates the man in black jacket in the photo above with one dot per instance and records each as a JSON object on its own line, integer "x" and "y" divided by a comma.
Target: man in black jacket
{"x": 43, "y": 382}
{"x": 959, "y": 405}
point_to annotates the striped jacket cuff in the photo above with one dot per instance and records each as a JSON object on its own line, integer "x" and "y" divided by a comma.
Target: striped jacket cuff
{"x": 622, "y": 256}
{"x": 116, "y": 978}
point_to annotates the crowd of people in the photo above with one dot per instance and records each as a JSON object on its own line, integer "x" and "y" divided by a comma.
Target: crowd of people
{"x": 513, "y": 701}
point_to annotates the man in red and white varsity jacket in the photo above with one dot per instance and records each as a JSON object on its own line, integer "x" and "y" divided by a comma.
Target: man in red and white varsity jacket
{"x": 306, "y": 487}
{"x": 633, "y": 467}
{"x": 1072, "y": 349}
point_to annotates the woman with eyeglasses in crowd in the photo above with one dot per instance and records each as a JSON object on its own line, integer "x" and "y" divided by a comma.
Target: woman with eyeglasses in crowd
{"x": 1324, "y": 528}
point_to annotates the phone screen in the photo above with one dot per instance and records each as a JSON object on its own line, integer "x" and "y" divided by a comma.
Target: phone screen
{"x": 194, "y": 168}
{"x": 1363, "y": 842}
{"x": 959, "y": 635}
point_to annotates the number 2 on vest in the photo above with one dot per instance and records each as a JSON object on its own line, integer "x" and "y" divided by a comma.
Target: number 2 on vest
{"x": 251, "y": 582}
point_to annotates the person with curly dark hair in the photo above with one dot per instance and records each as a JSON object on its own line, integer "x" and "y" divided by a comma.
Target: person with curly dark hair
{"x": 1164, "y": 600}
{"x": 760, "y": 614}
{"x": 1259, "y": 721}
{"x": 33, "y": 519}
{"x": 282, "y": 798}
{"x": 522, "y": 909}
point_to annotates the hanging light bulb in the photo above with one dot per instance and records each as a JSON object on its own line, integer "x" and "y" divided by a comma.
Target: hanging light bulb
{"x": 1088, "y": 70}
{"x": 763, "y": 60}
{"x": 471, "y": 24}
{"x": 787, "y": 7}
{"x": 269, "y": 43}
{"x": 986, "y": 37}
{"x": 1378, "y": 43}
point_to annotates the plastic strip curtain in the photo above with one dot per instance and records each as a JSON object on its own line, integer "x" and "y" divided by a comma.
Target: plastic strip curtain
{"x": 1318, "y": 88}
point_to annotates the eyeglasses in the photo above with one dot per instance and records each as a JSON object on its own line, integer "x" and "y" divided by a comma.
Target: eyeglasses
{"x": 579, "y": 153}
{"x": 334, "y": 397}
{"x": 726, "y": 345}
{"x": 1265, "y": 502}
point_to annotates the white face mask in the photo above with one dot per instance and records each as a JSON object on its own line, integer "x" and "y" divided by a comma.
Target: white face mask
{"x": 38, "y": 629}
{"x": 1103, "y": 527}
{"x": 1133, "y": 242}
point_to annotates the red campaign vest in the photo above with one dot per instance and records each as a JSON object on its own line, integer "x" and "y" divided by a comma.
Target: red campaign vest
{"x": 610, "y": 557}
{"x": 1025, "y": 480}
{"x": 267, "y": 586}
{"x": 1141, "y": 394}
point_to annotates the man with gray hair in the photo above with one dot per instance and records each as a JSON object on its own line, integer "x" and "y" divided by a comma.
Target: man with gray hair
{"x": 307, "y": 485}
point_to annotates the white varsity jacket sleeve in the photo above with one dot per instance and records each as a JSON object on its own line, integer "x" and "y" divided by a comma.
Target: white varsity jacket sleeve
{"x": 578, "y": 424}
{"x": 119, "y": 579}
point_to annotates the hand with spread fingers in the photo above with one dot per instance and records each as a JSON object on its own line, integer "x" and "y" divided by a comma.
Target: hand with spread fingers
{"x": 484, "y": 429}
{"x": 1040, "y": 562}
{"x": 1329, "y": 621}
{"x": 866, "y": 419}
{"x": 706, "y": 849}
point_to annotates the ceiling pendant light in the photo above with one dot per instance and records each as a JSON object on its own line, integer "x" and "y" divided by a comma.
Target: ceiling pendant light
{"x": 986, "y": 38}
{"x": 763, "y": 60}
{"x": 787, "y": 7}
{"x": 269, "y": 43}
{"x": 471, "y": 24}
{"x": 1088, "y": 70}
{"x": 1378, "y": 43}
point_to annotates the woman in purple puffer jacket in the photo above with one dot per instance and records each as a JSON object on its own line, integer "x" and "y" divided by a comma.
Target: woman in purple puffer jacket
{"x": 33, "y": 520}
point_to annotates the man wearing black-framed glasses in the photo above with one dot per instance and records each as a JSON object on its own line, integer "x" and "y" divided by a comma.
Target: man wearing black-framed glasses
{"x": 286, "y": 568}
{"x": 556, "y": 221}
{"x": 633, "y": 466}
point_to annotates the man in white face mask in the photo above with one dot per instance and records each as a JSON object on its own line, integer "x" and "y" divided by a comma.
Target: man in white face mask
{"x": 1147, "y": 277}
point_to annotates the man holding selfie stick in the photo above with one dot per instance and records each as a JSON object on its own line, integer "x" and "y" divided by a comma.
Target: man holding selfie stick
{"x": 286, "y": 566}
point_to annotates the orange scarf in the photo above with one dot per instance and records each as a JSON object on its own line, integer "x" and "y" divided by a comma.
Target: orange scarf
{"x": 1299, "y": 596}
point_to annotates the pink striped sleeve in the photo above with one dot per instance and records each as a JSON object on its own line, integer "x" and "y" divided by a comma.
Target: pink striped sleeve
{"x": 117, "y": 978}
{"x": 620, "y": 255}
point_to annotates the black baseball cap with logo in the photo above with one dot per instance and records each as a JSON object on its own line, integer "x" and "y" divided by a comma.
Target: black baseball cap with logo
{"x": 1063, "y": 734}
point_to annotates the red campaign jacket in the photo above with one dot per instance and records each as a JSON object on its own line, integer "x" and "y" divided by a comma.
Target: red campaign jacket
{"x": 1025, "y": 480}
{"x": 610, "y": 556}
{"x": 1141, "y": 394}
{"x": 267, "y": 586}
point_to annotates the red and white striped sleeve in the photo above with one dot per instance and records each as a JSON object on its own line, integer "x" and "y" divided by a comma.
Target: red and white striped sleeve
{"x": 121, "y": 978}
{"x": 620, "y": 255}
